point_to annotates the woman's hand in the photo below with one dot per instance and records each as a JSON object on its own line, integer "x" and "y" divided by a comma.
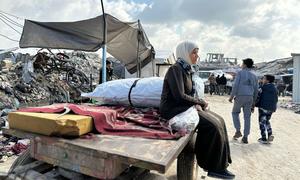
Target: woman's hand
{"x": 198, "y": 107}
{"x": 202, "y": 107}
{"x": 205, "y": 106}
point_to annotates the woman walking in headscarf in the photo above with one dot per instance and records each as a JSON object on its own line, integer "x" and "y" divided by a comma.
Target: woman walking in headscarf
{"x": 212, "y": 147}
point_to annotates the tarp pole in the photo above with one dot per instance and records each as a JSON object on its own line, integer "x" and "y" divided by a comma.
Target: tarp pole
{"x": 138, "y": 69}
{"x": 104, "y": 46}
{"x": 104, "y": 63}
{"x": 153, "y": 62}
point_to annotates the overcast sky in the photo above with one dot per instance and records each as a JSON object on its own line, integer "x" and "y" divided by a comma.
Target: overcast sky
{"x": 261, "y": 29}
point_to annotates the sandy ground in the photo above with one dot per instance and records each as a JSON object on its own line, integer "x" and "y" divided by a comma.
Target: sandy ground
{"x": 279, "y": 160}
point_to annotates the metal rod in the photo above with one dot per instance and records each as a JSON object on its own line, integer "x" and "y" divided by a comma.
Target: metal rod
{"x": 138, "y": 69}
{"x": 91, "y": 82}
{"x": 103, "y": 63}
{"x": 103, "y": 46}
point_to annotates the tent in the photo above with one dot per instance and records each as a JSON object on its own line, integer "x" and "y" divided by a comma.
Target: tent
{"x": 126, "y": 41}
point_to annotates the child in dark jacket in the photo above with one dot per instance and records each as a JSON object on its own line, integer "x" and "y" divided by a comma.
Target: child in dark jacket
{"x": 267, "y": 104}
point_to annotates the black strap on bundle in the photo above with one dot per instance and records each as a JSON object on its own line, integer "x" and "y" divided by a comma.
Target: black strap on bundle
{"x": 129, "y": 94}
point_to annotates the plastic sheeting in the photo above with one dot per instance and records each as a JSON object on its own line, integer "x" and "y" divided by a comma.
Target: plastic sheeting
{"x": 185, "y": 121}
{"x": 27, "y": 71}
{"x": 199, "y": 86}
{"x": 146, "y": 93}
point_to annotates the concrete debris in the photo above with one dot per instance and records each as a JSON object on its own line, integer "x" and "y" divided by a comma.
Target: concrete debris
{"x": 6, "y": 64}
{"x": 3, "y": 158}
{"x": 291, "y": 106}
{"x": 280, "y": 66}
{"x": 38, "y": 87}
{"x": 10, "y": 146}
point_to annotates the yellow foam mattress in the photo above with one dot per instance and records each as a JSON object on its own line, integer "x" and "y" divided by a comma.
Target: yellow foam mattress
{"x": 50, "y": 123}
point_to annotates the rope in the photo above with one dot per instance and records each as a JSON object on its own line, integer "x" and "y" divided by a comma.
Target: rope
{"x": 10, "y": 26}
{"x": 8, "y": 38}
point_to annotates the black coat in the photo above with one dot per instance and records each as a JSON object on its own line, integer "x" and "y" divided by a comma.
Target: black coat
{"x": 267, "y": 98}
{"x": 176, "y": 94}
{"x": 223, "y": 80}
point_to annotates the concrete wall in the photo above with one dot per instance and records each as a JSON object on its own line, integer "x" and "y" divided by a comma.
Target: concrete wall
{"x": 296, "y": 78}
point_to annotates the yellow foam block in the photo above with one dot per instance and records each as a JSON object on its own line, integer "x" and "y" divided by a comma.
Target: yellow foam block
{"x": 50, "y": 123}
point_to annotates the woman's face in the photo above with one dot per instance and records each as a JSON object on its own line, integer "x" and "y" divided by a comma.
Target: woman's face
{"x": 194, "y": 56}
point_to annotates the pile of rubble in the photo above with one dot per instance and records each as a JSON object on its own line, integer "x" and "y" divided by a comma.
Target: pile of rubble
{"x": 14, "y": 90}
{"x": 280, "y": 66}
{"x": 88, "y": 63}
{"x": 10, "y": 146}
{"x": 22, "y": 85}
{"x": 291, "y": 106}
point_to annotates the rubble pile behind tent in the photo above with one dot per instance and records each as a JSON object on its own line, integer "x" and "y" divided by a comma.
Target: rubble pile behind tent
{"x": 52, "y": 88}
{"x": 89, "y": 63}
{"x": 42, "y": 89}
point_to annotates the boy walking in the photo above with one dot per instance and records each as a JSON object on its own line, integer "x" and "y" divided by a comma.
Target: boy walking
{"x": 267, "y": 104}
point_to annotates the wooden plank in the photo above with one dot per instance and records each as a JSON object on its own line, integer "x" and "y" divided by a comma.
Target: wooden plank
{"x": 78, "y": 160}
{"x": 18, "y": 133}
{"x": 149, "y": 154}
{"x": 178, "y": 148}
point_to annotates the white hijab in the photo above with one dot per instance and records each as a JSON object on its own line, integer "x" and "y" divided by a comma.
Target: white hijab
{"x": 184, "y": 49}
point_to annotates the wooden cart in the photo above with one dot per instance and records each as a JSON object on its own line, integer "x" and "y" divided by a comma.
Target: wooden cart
{"x": 103, "y": 157}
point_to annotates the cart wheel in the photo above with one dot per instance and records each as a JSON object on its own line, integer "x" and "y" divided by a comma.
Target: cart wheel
{"x": 23, "y": 159}
{"x": 187, "y": 168}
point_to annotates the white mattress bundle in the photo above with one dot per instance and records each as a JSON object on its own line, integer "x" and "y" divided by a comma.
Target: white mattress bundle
{"x": 145, "y": 92}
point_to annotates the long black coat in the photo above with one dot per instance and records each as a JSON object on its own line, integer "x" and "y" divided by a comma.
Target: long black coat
{"x": 212, "y": 147}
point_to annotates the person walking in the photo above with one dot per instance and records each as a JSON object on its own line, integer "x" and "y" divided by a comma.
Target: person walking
{"x": 218, "y": 83}
{"x": 223, "y": 82}
{"x": 212, "y": 83}
{"x": 281, "y": 88}
{"x": 244, "y": 92}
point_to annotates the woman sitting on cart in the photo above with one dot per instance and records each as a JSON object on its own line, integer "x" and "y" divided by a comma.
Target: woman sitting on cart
{"x": 212, "y": 147}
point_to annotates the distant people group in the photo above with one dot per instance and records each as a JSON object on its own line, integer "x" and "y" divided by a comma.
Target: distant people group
{"x": 217, "y": 85}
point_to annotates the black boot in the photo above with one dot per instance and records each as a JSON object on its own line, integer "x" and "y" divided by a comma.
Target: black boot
{"x": 225, "y": 174}
{"x": 237, "y": 135}
{"x": 245, "y": 140}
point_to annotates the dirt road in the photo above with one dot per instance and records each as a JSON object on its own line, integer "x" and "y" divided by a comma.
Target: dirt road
{"x": 279, "y": 160}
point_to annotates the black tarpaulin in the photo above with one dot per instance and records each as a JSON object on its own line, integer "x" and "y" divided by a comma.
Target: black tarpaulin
{"x": 87, "y": 35}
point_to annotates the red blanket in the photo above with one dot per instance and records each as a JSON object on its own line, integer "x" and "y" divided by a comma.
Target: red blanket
{"x": 117, "y": 120}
